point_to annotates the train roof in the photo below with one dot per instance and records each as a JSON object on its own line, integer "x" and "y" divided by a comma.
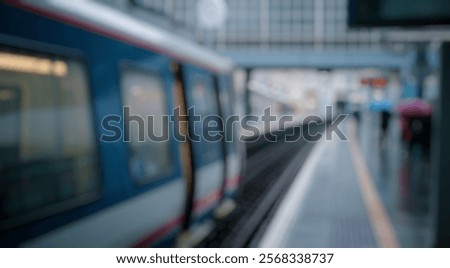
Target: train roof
{"x": 105, "y": 20}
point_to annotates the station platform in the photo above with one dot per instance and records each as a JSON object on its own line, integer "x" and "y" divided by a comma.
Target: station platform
{"x": 361, "y": 192}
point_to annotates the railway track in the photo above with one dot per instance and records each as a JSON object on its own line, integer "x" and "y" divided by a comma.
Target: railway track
{"x": 271, "y": 167}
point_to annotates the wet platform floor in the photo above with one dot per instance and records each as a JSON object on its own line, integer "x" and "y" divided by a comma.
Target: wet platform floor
{"x": 362, "y": 192}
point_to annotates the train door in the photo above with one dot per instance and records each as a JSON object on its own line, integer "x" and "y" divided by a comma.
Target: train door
{"x": 207, "y": 151}
{"x": 154, "y": 165}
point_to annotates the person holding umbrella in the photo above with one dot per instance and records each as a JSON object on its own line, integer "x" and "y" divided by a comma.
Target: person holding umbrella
{"x": 415, "y": 116}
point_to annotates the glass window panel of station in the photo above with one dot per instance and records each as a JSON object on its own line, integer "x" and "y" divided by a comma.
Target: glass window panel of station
{"x": 143, "y": 93}
{"x": 48, "y": 154}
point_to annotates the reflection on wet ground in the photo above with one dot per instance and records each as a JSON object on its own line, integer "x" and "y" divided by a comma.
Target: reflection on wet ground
{"x": 403, "y": 176}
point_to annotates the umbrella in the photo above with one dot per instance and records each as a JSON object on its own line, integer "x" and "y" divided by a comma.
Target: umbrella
{"x": 414, "y": 108}
{"x": 379, "y": 106}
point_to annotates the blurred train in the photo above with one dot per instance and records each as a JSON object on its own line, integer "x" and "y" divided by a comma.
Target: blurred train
{"x": 64, "y": 67}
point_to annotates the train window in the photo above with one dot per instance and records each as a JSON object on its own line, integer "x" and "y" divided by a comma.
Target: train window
{"x": 143, "y": 93}
{"x": 205, "y": 103}
{"x": 48, "y": 155}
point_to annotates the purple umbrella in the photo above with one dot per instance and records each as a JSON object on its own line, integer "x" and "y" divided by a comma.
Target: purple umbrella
{"x": 414, "y": 108}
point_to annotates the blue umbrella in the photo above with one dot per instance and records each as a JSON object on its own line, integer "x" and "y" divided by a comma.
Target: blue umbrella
{"x": 380, "y": 106}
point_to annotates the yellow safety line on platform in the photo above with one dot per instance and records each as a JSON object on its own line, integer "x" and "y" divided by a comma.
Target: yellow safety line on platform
{"x": 381, "y": 224}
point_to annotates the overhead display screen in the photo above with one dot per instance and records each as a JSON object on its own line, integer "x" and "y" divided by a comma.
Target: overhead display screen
{"x": 398, "y": 12}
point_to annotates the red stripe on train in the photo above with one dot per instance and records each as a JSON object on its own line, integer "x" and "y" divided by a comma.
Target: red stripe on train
{"x": 159, "y": 233}
{"x": 199, "y": 205}
{"x": 204, "y": 202}
{"x": 233, "y": 182}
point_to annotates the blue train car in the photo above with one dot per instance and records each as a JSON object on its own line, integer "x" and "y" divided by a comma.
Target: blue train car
{"x": 71, "y": 178}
